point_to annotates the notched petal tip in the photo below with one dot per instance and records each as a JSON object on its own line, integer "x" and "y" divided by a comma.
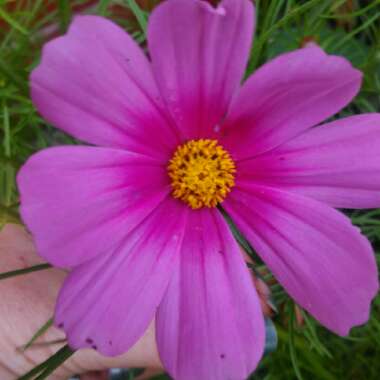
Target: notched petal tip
{"x": 287, "y": 96}
{"x": 346, "y": 330}
{"x": 218, "y": 10}
{"x": 85, "y": 78}
{"x": 340, "y": 60}
{"x": 211, "y": 46}
{"x": 322, "y": 261}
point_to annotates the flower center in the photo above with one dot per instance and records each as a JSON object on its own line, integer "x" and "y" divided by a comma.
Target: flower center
{"x": 202, "y": 173}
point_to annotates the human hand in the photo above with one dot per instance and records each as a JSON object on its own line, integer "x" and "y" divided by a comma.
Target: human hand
{"x": 27, "y": 303}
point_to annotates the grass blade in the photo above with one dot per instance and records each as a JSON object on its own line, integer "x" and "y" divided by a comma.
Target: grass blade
{"x": 13, "y": 23}
{"x": 46, "y": 368}
{"x": 20, "y": 272}
{"x": 39, "y": 333}
{"x": 138, "y": 12}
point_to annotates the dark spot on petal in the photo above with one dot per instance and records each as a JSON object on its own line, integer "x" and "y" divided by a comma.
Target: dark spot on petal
{"x": 60, "y": 325}
{"x": 89, "y": 341}
{"x": 94, "y": 346}
{"x": 222, "y": 356}
{"x": 110, "y": 342}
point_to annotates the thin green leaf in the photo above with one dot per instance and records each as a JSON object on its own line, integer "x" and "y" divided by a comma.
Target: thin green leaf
{"x": 351, "y": 15}
{"x": 64, "y": 12}
{"x": 20, "y": 272}
{"x": 313, "y": 336}
{"x": 12, "y": 22}
{"x": 39, "y": 333}
{"x": 101, "y": 8}
{"x": 292, "y": 349}
{"x": 12, "y": 76}
{"x": 8, "y": 170}
{"x": 139, "y": 13}
{"x": 46, "y": 368}
{"x": 55, "y": 361}
{"x": 260, "y": 42}
{"x": 363, "y": 26}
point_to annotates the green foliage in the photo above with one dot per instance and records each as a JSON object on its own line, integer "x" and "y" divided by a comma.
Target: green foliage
{"x": 38, "y": 333}
{"x": 45, "y": 369}
{"x": 21, "y": 272}
{"x": 306, "y": 351}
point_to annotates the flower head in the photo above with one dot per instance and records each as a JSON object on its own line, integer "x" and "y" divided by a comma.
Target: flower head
{"x": 135, "y": 219}
{"x": 202, "y": 173}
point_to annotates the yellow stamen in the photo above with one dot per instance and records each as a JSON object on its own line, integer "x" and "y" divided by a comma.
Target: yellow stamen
{"x": 202, "y": 173}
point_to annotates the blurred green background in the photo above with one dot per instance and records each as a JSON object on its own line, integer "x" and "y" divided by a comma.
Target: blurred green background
{"x": 344, "y": 27}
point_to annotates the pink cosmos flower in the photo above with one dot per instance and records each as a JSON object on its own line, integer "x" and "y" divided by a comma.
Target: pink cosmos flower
{"x": 135, "y": 219}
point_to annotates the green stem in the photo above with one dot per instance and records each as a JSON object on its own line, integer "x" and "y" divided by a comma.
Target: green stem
{"x": 13, "y": 23}
{"x": 20, "y": 272}
{"x": 43, "y": 370}
{"x": 39, "y": 332}
{"x": 55, "y": 361}
{"x": 141, "y": 19}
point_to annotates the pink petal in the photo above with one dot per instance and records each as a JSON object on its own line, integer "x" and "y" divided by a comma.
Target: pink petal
{"x": 210, "y": 324}
{"x": 337, "y": 163}
{"x": 79, "y": 202}
{"x": 286, "y": 96}
{"x": 199, "y": 55}
{"x": 323, "y": 262}
{"x": 96, "y": 84}
{"x": 108, "y": 303}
